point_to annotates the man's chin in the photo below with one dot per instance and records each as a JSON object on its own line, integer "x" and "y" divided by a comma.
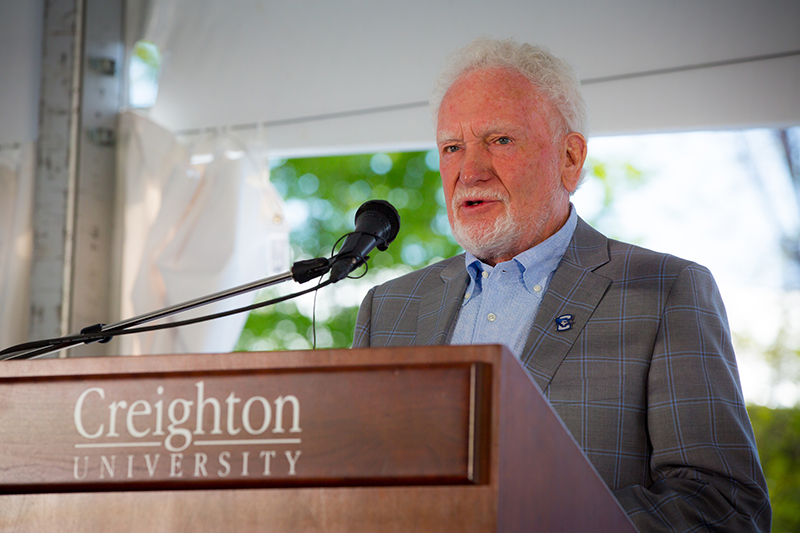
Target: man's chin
{"x": 485, "y": 244}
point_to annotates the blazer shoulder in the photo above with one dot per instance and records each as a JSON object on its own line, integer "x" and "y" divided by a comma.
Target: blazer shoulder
{"x": 414, "y": 282}
{"x": 414, "y": 309}
{"x": 591, "y": 250}
{"x": 631, "y": 260}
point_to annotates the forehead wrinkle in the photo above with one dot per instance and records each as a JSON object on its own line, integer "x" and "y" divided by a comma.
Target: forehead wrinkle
{"x": 494, "y": 126}
{"x": 480, "y": 131}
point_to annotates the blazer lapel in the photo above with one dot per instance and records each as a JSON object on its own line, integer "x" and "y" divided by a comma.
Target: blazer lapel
{"x": 570, "y": 300}
{"x": 439, "y": 306}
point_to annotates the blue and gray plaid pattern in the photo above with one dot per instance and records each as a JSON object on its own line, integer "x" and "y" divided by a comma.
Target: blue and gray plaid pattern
{"x": 645, "y": 378}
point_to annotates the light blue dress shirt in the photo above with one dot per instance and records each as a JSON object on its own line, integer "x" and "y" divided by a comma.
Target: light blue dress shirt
{"x": 501, "y": 302}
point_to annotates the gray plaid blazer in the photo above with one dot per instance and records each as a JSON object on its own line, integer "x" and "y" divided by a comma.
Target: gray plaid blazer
{"x": 645, "y": 378}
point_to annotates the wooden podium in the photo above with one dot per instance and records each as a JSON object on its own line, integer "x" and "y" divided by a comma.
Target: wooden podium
{"x": 437, "y": 439}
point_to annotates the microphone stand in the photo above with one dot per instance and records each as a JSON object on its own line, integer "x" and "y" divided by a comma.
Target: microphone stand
{"x": 191, "y": 304}
{"x": 301, "y": 272}
{"x": 376, "y": 225}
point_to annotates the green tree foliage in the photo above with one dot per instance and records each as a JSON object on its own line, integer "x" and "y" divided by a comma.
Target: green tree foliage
{"x": 322, "y": 196}
{"x": 778, "y": 437}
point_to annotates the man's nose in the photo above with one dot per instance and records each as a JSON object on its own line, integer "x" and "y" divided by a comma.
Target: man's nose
{"x": 476, "y": 165}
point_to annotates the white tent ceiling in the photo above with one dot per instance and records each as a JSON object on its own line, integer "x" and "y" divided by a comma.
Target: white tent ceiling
{"x": 325, "y": 76}
{"x": 354, "y": 74}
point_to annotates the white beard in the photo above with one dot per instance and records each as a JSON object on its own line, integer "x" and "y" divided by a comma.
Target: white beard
{"x": 506, "y": 234}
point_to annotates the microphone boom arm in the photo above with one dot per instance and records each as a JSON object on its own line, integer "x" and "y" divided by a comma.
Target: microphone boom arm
{"x": 377, "y": 224}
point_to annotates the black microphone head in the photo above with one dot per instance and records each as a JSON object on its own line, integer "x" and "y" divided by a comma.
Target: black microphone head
{"x": 377, "y": 224}
{"x": 382, "y": 210}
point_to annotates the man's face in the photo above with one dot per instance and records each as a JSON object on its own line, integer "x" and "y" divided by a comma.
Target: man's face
{"x": 506, "y": 180}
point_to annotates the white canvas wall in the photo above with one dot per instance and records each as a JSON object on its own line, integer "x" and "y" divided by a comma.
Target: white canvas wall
{"x": 20, "y": 57}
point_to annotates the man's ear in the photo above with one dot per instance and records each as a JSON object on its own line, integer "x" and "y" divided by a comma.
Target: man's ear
{"x": 574, "y": 156}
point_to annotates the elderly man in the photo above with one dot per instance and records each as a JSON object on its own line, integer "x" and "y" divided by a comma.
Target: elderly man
{"x": 631, "y": 347}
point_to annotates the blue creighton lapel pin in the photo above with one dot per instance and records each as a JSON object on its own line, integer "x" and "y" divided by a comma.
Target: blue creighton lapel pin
{"x": 564, "y": 322}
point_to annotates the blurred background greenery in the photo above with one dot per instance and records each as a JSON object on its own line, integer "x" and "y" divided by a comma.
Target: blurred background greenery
{"x": 778, "y": 437}
{"x": 322, "y": 195}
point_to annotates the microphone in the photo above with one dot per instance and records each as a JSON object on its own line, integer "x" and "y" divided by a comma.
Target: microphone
{"x": 377, "y": 224}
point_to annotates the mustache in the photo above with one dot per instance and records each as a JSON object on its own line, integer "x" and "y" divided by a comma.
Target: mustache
{"x": 463, "y": 195}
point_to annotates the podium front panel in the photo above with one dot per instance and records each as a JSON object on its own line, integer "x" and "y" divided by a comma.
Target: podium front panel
{"x": 342, "y": 425}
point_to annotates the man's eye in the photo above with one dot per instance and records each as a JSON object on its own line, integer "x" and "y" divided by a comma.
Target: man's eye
{"x": 450, "y": 149}
{"x": 503, "y": 140}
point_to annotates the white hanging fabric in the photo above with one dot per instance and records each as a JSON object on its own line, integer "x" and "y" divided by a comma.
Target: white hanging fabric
{"x": 16, "y": 240}
{"x": 195, "y": 222}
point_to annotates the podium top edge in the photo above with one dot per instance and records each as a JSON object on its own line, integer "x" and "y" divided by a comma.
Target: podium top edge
{"x": 210, "y": 362}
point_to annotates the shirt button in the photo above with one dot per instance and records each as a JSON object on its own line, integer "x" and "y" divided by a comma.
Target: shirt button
{"x": 467, "y": 295}
{"x": 492, "y": 317}
{"x": 485, "y": 274}
{"x": 537, "y": 288}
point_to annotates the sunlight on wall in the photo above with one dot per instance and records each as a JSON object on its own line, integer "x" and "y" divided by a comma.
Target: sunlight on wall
{"x": 145, "y": 69}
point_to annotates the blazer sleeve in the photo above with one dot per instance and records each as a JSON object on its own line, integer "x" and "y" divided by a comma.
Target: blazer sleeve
{"x": 704, "y": 463}
{"x": 363, "y": 322}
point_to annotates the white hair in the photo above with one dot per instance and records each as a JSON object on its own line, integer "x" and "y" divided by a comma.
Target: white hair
{"x": 554, "y": 77}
